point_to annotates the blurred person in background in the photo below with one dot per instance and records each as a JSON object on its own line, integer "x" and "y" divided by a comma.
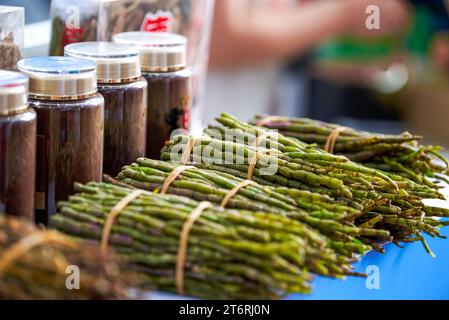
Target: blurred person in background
{"x": 380, "y": 84}
{"x": 252, "y": 38}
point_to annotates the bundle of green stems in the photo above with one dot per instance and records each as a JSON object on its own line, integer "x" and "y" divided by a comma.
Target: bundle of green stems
{"x": 398, "y": 154}
{"x": 231, "y": 254}
{"x": 47, "y": 265}
{"x": 387, "y": 201}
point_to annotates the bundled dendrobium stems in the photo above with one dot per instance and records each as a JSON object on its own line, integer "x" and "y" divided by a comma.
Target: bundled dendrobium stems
{"x": 386, "y": 200}
{"x": 42, "y": 264}
{"x": 226, "y": 253}
{"x": 398, "y": 154}
{"x": 334, "y": 220}
{"x": 245, "y": 212}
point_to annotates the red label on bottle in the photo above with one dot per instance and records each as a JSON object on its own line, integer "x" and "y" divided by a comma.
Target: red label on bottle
{"x": 186, "y": 104}
{"x": 186, "y": 120}
{"x": 160, "y": 21}
{"x": 72, "y": 35}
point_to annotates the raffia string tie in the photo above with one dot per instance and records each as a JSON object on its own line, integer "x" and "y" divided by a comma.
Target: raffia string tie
{"x": 26, "y": 244}
{"x": 172, "y": 177}
{"x": 255, "y": 159}
{"x": 183, "y": 242}
{"x": 234, "y": 191}
{"x": 188, "y": 150}
{"x": 113, "y": 214}
{"x": 332, "y": 139}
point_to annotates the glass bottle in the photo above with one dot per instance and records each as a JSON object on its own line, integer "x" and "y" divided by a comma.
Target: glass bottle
{"x": 17, "y": 147}
{"x": 163, "y": 59}
{"x": 12, "y": 24}
{"x": 70, "y": 113}
{"x": 125, "y": 92}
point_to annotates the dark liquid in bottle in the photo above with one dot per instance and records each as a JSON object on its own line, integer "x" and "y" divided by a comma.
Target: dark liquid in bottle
{"x": 125, "y": 124}
{"x": 69, "y": 149}
{"x": 169, "y": 100}
{"x": 17, "y": 164}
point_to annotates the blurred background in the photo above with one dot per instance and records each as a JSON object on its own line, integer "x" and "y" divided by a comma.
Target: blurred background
{"x": 313, "y": 58}
{"x": 317, "y": 59}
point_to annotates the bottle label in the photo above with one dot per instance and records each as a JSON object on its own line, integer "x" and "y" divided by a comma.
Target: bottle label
{"x": 185, "y": 120}
{"x": 161, "y": 21}
{"x": 72, "y": 35}
{"x": 39, "y": 200}
{"x": 41, "y": 176}
{"x": 73, "y": 32}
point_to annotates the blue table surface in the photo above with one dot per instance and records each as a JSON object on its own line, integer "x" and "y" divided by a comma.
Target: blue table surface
{"x": 409, "y": 273}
